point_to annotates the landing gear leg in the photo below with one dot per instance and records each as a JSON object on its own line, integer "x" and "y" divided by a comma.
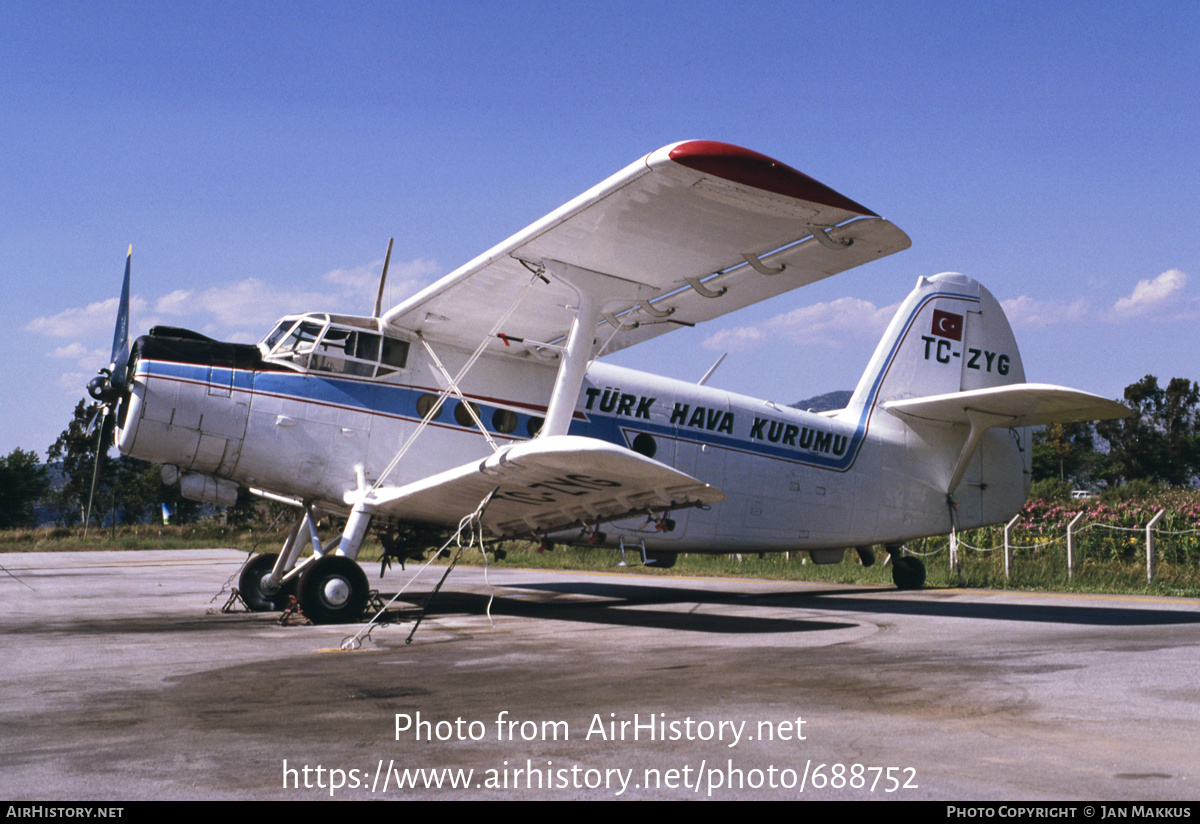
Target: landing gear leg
{"x": 907, "y": 572}
{"x": 261, "y": 583}
{"x": 333, "y": 588}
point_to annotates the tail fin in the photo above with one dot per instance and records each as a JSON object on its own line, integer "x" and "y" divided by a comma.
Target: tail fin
{"x": 949, "y": 335}
{"x": 949, "y": 372}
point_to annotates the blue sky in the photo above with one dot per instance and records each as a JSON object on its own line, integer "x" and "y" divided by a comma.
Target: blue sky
{"x": 258, "y": 156}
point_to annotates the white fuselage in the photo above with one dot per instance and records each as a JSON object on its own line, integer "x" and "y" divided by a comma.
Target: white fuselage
{"x": 795, "y": 480}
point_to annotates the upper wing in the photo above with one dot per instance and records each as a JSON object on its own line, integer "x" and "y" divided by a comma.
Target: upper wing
{"x": 681, "y": 221}
{"x": 548, "y": 484}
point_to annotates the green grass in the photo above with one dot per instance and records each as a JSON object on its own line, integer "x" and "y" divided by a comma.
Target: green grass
{"x": 1108, "y": 561}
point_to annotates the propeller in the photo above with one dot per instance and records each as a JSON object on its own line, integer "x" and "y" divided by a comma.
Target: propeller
{"x": 110, "y": 385}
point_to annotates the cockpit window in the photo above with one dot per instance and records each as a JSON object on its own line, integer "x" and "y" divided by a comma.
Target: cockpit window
{"x": 303, "y": 336}
{"x": 395, "y": 353}
{"x": 280, "y": 331}
{"x": 316, "y": 343}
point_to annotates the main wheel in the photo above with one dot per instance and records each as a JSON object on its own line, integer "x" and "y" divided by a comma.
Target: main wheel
{"x": 333, "y": 590}
{"x": 661, "y": 560}
{"x": 252, "y": 586}
{"x": 907, "y": 572}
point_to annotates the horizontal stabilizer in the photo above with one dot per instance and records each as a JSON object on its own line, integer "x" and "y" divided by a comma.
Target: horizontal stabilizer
{"x": 547, "y": 484}
{"x": 1014, "y": 405}
{"x": 1020, "y": 404}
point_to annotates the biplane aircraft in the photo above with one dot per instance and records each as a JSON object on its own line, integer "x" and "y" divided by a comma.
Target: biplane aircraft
{"x": 482, "y": 396}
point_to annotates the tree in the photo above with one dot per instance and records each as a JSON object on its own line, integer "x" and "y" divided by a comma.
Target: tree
{"x": 75, "y": 452}
{"x": 140, "y": 490}
{"x": 23, "y": 483}
{"x": 1158, "y": 443}
{"x": 128, "y": 490}
{"x": 1066, "y": 452}
{"x": 1178, "y": 420}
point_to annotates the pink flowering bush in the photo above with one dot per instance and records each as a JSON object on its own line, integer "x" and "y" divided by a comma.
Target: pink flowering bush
{"x": 1116, "y": 529}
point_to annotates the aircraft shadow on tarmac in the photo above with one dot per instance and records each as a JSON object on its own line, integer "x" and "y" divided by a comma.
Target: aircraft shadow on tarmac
{"x": 624, "y": 604}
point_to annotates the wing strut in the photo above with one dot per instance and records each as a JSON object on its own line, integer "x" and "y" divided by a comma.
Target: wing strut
{"x": 596, "y": 290}
{"x": 452, "y": 386}
{"x": 362, "y": 495}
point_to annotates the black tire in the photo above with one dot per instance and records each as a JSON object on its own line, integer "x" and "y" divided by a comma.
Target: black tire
{"x": 661, "y": 560}
{"x": 251, "y": 589}
{"x": 907, "y": 572}
{"x": 333, "y": 590}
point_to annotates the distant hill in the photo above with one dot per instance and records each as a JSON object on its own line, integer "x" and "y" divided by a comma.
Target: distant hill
{"x": 826, "y": 402}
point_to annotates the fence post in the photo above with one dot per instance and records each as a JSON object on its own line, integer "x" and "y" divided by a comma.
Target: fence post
{"x": 1008, "y": 550}
{"x": 1071, "y": 546}
{"x": 1150, "y": 545}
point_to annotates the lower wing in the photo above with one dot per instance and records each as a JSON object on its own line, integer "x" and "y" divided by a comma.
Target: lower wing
{"x": 547, "y": 484}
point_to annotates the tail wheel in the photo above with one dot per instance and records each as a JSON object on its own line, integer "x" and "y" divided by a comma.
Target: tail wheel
{"x": 252, "y": 587}
{"x": 333, "y": 590}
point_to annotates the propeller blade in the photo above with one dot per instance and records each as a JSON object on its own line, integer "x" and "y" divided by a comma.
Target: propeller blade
{"x": 98, "y": 409}
{"x": 120, "y": 350}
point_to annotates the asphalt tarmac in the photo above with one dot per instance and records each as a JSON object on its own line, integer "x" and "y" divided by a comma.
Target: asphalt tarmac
{"x": 122, "y": 680}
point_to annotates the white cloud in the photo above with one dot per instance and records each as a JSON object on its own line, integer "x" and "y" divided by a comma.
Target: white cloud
{"x": 402, "y": 276}
{"x": 832, "y": 323}
{"x": 75, "y": 381}
{"x": 405, "y": 278}
{"x": 1151, "y": 295}
{"x": 242, "y": 311}
{"x": 92, "y": 319}
{"x": 247, "y": 304}
{"x": 1031, "y": 312}
{"x": 362, "y": 279}
{"x": 74, "y": 349}
{"x": 175, "y": 303}
{"x": 1163, "y": 294}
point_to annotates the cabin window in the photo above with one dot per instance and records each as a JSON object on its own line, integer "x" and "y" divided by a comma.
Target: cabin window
{"x": 425, "y": 403}
{"x": 645, "y": 444}
{"x": 463, "y": 416}
{"x": 504, "y": 421}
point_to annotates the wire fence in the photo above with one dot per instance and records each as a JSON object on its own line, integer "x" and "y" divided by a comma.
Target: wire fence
{"x": 1163, "y": 536}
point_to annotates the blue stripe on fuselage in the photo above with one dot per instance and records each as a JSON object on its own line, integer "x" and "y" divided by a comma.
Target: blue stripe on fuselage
{"x": 390, "y": 400}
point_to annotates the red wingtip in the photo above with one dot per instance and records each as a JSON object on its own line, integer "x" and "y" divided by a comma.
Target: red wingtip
{"x": 749, "y": 168}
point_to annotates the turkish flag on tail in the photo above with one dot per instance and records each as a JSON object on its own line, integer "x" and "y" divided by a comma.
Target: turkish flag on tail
{"x": 947, "y": 325}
